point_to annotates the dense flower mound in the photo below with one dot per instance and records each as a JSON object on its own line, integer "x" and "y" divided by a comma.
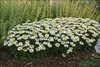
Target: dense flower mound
{"x": 59, "y": 34}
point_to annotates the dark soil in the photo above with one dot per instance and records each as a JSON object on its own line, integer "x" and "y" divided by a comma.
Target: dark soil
{"x": 6, "y": 60}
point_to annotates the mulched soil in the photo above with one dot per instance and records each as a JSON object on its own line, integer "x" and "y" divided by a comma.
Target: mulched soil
{"x": 70, "y": 61}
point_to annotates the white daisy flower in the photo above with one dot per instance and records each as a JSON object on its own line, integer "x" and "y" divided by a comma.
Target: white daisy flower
{"x": 31, "y": 50}
{"x": 57, "y": 35}
{"x": 66, "y": 45}
{"x": 63, "y": 55}
{"x": 43, "y": 48}
{"x": 59, "y": 40}
{"x": 27, "y": 41}
{"x": 45, "y": 38}
{"x": 55, "y": 38}
{"x": 46, "y": 35}
{"x": 62, "y": 42}
{"x": 25, "y": 50}
{"x": 36, "y": 39}
{"x": 17, "y": 44}
{"x": 5, "y": 43}
{"x": 25, "y": 37}
{"x": 51, "y": 39}
{"x": 27, "y": 44}
{"x": 32, "y": 37}
{"x": 38, "y": 49}
{"x": 81, "y": 43}
{"x": 19, "y": 48}
{"x": 40, "y": 44}
{"x": 19, "y": 38}
{"x": 57, "y": 44}
{"x": 31, "y": 46}
{"x": 41, "y": 38}
{"x": 37, "y": 42}
{"x": 45, "y": 43}
{"x": 49, "y": 45}
{"x": 20, "y": 43}
{"x": 11, "y": 35}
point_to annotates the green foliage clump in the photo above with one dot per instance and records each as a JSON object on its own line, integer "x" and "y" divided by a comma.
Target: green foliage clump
{"x": 92, "y": 63}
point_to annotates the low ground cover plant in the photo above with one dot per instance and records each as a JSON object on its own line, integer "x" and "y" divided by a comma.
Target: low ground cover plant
{"x": 54, "y": 37}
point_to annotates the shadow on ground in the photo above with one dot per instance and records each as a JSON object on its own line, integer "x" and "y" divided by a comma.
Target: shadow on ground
{"x": 6, "y": 60}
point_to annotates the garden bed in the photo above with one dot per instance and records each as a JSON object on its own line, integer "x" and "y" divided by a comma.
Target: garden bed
{"x": 43, "y": 42}
{"x": 7, "y": 60}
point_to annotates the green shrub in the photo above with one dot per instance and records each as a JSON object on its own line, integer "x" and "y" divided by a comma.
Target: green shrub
{"x": 57, "y": 37}
{"x": 92, "y": 63}
{"x": 98, "y": 1}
